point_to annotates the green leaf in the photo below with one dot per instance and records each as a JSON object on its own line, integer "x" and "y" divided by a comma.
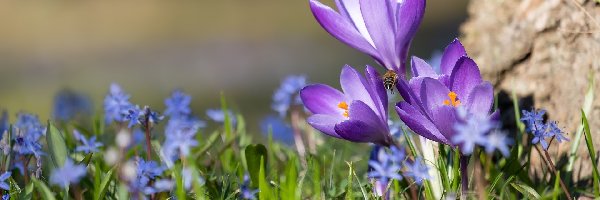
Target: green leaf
{"x": 263, "y": 185}
{"x": 44, "y": 191}
{"x": 180, "y": 190}
{"x": 256, "y": 156}
{"x": 527, "y": 191}
{"x": 227, "y": 122}
{"x": 349, "y": 192}
{"x": 291, "y": 180}
{"x": 57, "y": 147}
{"x": 101, "y": 189}
{"x": 592, "y": 151}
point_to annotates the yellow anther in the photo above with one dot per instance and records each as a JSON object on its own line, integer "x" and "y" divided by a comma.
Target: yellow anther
{"x": 344, "y": 106}
{"x": 452, "y": 101}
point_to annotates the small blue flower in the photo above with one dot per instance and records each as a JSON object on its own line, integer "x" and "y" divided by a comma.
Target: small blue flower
{"x": 3, "y": 179}
{"x": 418, "y": 171}
{"x": 161, "y": 185}
{"x": 151, "y": 116}
{"x": 245, "y": 191}
{"x": 535, "y": 125}
{"x": 217, "y": 115}
{"x": 533, "y": 119}
{"x": 116, "y": 104}
{"x": 553, "y": 130}
{"x": 498, "y": 140}
{"x": 87, "y": 146}
{"x": 383, "y": 167}
{"x": 69, "y": 104}
{"x": 135, "y": 116}
{"x": 67, "y": 174}
{"x": 28, "y": 131}
{"x": 149, "y": 169}
{"x": 280, "y": 130}
{"x": 471, "y": 131}
{"x": 398, "y": 155}
{"x": 178, "y": 104}
{"x": 6, "y": 197}
{"x": 179, "y": 144}
{"x": 287, "y": 94}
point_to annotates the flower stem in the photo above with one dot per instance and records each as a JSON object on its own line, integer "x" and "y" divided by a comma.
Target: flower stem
{"x": 548, "y": 160}
{"x": 464, "y": 176}
{"x": 148, "y": 144}
{"x": 297, "y": 135}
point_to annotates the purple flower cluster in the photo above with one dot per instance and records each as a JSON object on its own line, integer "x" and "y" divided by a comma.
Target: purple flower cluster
{"x": 116, "y": 104}
{"x": 286, "y": 95}
{"x": 69, "y": 104}
{"x": 384, "y": 29}
{"x": 87, "y": 146}
{"x": 534, "y": 123}
{"x": 27, "y": 133}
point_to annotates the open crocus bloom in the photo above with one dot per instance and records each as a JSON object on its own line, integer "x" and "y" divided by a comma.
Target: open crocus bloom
{"x": 359, "y": 114}
{"x": 431, "y": 99}
{"x": 382, "y": 29}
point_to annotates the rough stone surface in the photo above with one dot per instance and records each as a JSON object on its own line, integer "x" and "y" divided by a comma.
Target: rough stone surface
{"x": 546, "y": 50}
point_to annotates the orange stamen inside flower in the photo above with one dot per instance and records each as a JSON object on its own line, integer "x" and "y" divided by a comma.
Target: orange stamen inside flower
{"x": 452, "y": 101}
{"x": 344, "y": 106}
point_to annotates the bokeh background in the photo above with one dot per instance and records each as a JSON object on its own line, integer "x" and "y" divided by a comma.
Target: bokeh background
{"x": 242, "y": 48}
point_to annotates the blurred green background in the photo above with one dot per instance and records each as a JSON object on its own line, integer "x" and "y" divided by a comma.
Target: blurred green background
{"x": 240, "y": 47}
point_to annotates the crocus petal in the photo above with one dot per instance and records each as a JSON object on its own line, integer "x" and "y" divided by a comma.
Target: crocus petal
{"x": 376, "y": 83}
{"x": 452, "y": 53}
{"x": 465, "y": 77}
{"x": 378, "y": 19}
{"x": 420, "y": 68}
{"x": 351, "y": 10}
{"x": 322, "y": 99}
{"x": 480, "y": 99}
{"x": 444, "y": 119}
{"x": 419, "y": 123}
{"x": 495, "y": 116}
{"x": 359, "y": 131}
{"x": 409, "y": 15}
{"x": 360, "y": 111}
{"x": 356, "y": 87}
{"x": 325, "y": 123}
{"x": 342, "y": 29}
{"x": 433, "y": 94}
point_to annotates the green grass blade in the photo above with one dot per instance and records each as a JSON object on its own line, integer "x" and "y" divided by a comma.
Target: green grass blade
{"x": 100, "y": 192}
{"x": 592, "y": 151}
{"x": 57, "y": 147}
{"x": 43, "y": 189}
{"x": 587, "y": 108}
{"x": 526, "y": 190}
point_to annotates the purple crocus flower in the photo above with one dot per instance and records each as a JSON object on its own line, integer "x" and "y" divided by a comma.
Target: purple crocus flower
{"x": 432, "y": 99}
{"x": 359, "y": 114}
{"x": 382, "y": 29}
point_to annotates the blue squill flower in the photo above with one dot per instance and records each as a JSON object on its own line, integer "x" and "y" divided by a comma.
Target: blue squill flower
{"x": 178, "y": 104}
{"x": 3, "y": 184}
{"x": 286, "y": 95}
{"x": 497, "y": 140}
{"x": 471, "y": 131}
{"x": 116, "y": 104}
{"x": 359, "y": 114}
{"x": 180, "y": 137}
{"x": 69, "y": 104}
{"x": 245, "y": 191}
{"x": 541, "y": 131}
{"x": 149, "y": 169}
{"x": 217, "y": 115}
{"x": 384, "y": 166}
{"x": 28, "y": 131}
{"x": 417, "y": 170}
{"x": 135, "y": 116}
{"x": 382, "y": 29}
{"x": 280, "y": 130}
{"x": 87, "y": 146}
{"x": 553, "y": 130}
{"x": 67, "y": 174}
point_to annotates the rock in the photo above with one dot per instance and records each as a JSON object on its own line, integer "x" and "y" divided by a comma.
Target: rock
{"x": 546, "y": 50}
